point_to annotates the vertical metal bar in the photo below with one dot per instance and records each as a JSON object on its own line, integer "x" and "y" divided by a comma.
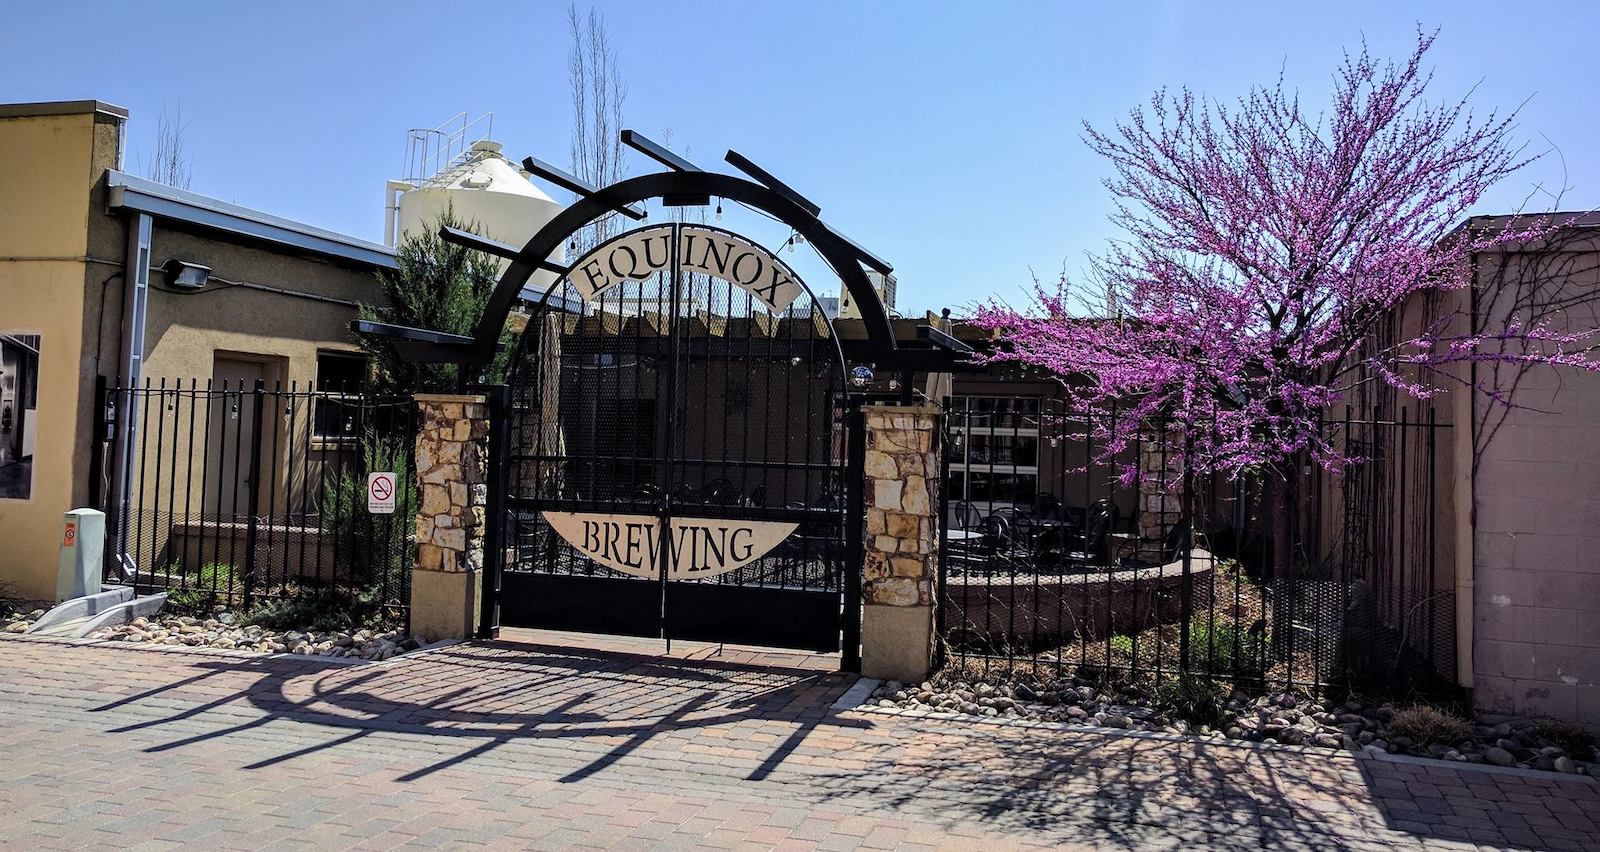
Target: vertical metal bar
{"x": 1186, "y": 519}
{"x": 1403, "y": 579}
{"x": 272, "y": 474}
{"x": 188, "y": 478}
{"x": 940, "y": 601}
{"x": 97, "y": 447}
{"x": 664, "y": 511}
{"x": 1433, "y": 511}
{"x": 253, "y": 498}
{"x": 499, "y": 399}
{"x": 855, "y": 530}
{"x": 160, "y": 427}
{"x": 141, "y": 566}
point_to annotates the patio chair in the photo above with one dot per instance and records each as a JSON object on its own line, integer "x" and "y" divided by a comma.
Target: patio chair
{"x": 965, "y": 516}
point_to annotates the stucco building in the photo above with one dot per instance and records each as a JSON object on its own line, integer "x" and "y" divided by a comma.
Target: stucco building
{"x": 116, "y": 278}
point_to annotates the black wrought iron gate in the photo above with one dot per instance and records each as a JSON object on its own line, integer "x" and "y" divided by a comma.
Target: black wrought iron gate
{"x": 676, "y": 457}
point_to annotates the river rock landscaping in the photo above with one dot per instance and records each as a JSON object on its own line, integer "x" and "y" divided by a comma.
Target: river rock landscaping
{"x": 220, "y": 631}
{"x": 1285, "y": 718}
{"x": 19, "y": 620}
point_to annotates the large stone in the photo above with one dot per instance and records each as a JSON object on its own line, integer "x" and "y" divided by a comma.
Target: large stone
{"x": 902, "y": 525}
{"x": 435, "y": 499}
{"x": 914, "y": 498}
{"x": 886, "y": 493}
{"x": 881, "y": 465}
{"x": 896, "y": 591}
{"x": 1499, "y": 756}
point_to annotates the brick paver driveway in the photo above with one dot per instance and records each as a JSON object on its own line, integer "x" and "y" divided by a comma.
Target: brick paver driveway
{"x": 533, "y": 744}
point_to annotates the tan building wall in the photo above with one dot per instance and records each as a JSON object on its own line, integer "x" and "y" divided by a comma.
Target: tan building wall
{"x": 1536, "y": 625}
{"x": 62, "y": 252}
{"x": 52, "y": 158}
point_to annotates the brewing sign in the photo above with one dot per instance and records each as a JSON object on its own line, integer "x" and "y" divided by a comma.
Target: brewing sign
{"x": 700, "y": 547}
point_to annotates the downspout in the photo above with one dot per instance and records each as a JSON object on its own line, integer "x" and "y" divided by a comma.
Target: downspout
{"x": 391, "y": 210}
{"x": 1466, "y": 504}
{"x": 135, "y": 298}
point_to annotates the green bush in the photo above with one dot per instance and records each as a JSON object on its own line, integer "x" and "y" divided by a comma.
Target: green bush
{"x": 1122, "y": 646}
{"x": 1223, "y": 648}
{"x": 320, "y": 609}
{"x": 198, "y": 589}
{"x": 367, "y": 545}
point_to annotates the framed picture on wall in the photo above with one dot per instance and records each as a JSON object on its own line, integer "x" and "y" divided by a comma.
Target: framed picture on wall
{"x": 19, "y": 412}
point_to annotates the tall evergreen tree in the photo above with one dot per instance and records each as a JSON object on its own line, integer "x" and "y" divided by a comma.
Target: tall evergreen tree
{"x": 440, "y": 287}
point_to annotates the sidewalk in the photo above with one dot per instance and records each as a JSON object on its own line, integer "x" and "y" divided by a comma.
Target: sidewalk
{"x": 522, "y": 744}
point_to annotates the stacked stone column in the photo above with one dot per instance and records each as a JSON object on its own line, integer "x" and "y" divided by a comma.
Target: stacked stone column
{"x": 1160, "y": 484}
{"x": 452, "y": 472}
{"x": 901, "y": 561}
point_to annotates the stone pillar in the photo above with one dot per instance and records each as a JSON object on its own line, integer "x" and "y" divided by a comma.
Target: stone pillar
{"x": 901, "y": 561}
{"x": 452, "y": 469}
{"x": 1160, "y": 478}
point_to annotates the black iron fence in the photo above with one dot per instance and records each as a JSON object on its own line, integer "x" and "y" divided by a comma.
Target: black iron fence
{"x": 1058, "y": 559}
{"x": 232, "y": 493}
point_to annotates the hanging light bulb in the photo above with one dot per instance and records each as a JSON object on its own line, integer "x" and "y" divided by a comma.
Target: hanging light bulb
{"x": 799, "y": 239}
{"x": 894, "y": 384}
{"x": 719, "y": 210}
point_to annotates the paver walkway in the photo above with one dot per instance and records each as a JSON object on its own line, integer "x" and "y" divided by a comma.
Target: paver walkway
{"x": 531, "y": 744}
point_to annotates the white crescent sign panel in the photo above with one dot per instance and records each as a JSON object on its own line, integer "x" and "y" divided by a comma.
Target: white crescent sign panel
{"x": 637, "y": 255}
{"x": 701, "y": 547}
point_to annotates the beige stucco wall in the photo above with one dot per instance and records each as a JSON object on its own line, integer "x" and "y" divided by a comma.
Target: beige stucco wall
{"x": 1536, "y": 538}
{"x": 61, "y": 256}
{"x": 46, "y": 172}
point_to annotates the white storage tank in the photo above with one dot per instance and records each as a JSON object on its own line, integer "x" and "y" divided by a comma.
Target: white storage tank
{"x": 487, "y": 193}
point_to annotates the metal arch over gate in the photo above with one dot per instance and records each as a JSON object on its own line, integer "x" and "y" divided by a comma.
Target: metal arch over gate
{"x": 679, "y": 455}
{"x": 677, "y": 463}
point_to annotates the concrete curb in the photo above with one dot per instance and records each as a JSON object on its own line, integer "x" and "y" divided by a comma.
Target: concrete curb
{"x": 87, "y": 606}
{"x": 1489, "y": 768}
{"x": 123, "y": 613}
{"x": 1161, "y": 736}
{"x": 856, "y": 696}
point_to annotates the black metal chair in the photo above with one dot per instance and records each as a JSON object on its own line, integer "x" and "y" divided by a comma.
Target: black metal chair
{"x": 965, "y": 516}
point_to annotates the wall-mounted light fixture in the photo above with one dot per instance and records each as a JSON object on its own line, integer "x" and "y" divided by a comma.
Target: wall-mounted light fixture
{"x": 183, "y": 275}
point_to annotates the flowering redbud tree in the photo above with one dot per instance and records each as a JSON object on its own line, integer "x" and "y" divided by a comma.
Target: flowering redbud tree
{"x": 1264, "y": 246}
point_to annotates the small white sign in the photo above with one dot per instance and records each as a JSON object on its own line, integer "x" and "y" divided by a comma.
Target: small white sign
{"x": 380, "y": 493}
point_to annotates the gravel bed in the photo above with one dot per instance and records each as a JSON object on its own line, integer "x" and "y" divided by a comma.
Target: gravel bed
{"x": 1352, "y": 725}
{"x": 18, "y": 621}
{"x": 219, "y": 631}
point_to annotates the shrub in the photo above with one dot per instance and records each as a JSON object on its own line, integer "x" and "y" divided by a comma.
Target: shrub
{"x": 1223, "y": 648}
{"x": 1426, "y": 724}
{"x": 320, "y": 609}
{"x": 199, "y": 588}
{"x": 1122, "y": 646}
{"x": 1195, "y": 698}
{"x": 1571, "y": 737}
{"x": 367, "y": 544}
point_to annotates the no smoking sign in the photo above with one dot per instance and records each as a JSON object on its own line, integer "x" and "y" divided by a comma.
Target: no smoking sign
{"x": 380, "y": 493}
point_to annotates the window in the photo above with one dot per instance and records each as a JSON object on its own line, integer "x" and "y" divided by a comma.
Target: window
{"x": 994, "y": 451}
{"x": 340, "y": 378}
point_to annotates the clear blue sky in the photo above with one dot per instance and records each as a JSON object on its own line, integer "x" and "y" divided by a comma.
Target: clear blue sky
{"x": 943, "y": 136}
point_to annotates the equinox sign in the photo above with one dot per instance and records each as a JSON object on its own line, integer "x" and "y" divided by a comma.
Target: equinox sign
{"x": 637, "y": 255}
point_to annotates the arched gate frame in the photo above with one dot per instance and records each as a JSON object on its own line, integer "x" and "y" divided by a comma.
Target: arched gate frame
{"x": 678, "y": 453}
